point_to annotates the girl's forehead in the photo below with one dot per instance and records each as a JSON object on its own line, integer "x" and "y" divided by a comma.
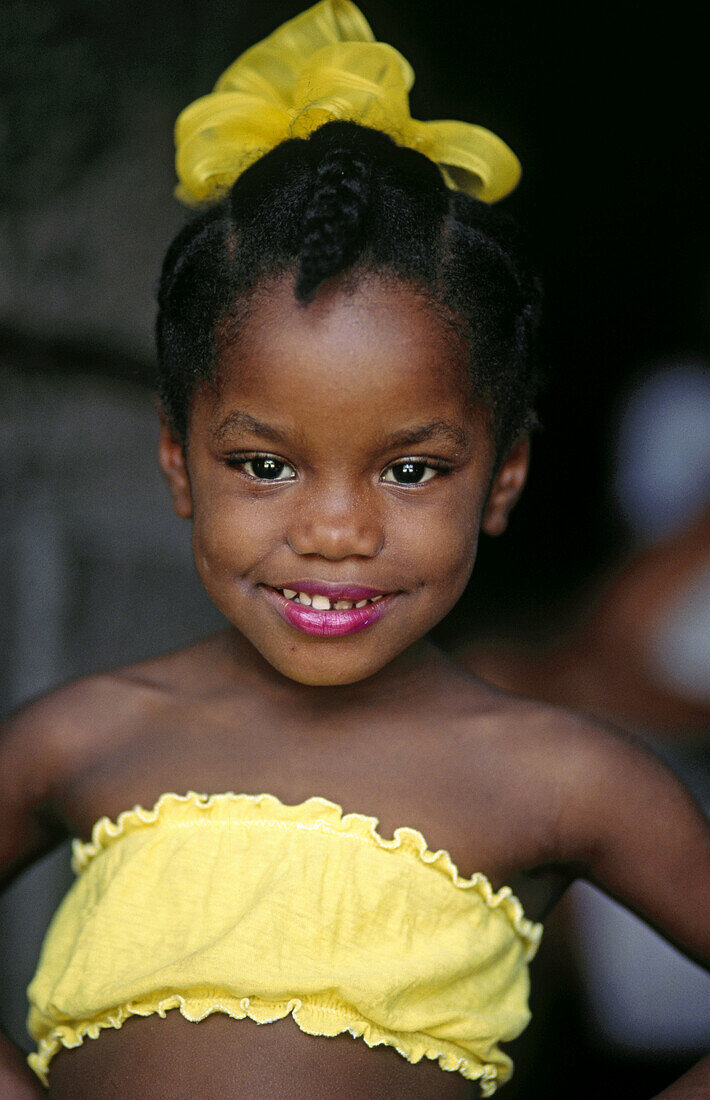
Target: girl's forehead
{"x": 376, "y": 334}
{"x": 364, "y": 368}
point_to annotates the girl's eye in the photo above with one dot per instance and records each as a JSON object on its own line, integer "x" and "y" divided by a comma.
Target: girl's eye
{"x": 409, "y": 472}
{"x": 266, "y": 468}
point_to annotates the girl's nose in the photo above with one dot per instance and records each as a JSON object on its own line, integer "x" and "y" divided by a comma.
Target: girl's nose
{"x": 336, "y": 524}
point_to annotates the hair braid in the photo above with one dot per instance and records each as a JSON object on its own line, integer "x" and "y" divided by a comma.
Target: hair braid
{"x": 331, "y": 235}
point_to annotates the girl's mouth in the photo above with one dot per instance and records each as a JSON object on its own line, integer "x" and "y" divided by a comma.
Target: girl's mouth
{"x": 327, "y": 616}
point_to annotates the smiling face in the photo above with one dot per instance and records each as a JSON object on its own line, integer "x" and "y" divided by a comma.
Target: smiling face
{"x": 338, "y": 475}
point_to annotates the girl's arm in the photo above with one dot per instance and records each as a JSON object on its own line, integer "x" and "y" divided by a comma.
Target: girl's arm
{"x": 24, "y": 837}
{"x": 637, "y": 833}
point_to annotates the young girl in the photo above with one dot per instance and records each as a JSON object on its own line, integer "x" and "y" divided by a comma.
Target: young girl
{"x": 346, "y": 345}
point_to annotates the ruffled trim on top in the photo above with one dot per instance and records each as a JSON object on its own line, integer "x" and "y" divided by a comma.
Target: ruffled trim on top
{"x": 314, "y": 813}
{"x": 311, "y": 1015}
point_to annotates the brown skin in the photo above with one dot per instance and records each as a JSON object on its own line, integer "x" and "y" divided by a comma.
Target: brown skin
{"x": 529, "y": 794}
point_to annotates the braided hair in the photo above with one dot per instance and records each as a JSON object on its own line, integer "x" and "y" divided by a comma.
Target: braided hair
{"x": 348, "y": 199}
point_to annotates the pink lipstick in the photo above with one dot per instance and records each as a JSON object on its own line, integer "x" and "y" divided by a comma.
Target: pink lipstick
{"x": 317, "y": 608}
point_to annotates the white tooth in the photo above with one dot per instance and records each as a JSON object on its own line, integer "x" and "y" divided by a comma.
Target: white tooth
{"x": 289, "y": 593}
{"x": 362, "y": 603}
{"x": 342, "y": 605}
{"x": 304, "y": 598}
{"x": 320, "y": 603}
{"x": 376, "y": 598}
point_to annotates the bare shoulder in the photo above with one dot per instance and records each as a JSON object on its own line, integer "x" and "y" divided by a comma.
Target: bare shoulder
{"x": 68, "y": 722}
{"x": 600, "y": 775}
{"x": 610, "y": 779}
{"x": 38, "y": 742}
{"x": 46, "y": 742}
{"x": 585, "y": 754}
{"x": 47, "y": 737}
{"x": 628, "y": 824}
{"x": 540, "y": 736}
{"x": 593, "y": 775}
{"x": 611, "y": 811}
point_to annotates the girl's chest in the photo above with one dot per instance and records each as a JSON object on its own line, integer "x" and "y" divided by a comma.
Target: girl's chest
{"x": 400, "y": 785}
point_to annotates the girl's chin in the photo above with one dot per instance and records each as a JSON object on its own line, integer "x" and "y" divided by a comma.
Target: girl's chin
{"x": 321, "y": 673}
{"x": 327, "y": 663}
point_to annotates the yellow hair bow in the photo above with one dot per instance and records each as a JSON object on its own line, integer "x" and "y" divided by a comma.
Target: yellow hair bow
{"x": 324, "y": 65}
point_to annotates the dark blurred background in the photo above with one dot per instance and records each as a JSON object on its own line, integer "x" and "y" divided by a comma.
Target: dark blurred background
{"x": 607, "y": 107}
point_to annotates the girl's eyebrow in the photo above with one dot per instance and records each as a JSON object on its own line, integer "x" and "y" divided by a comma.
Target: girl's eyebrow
{"x": 409, "y": 437}
{"x": 241, "y": 421}
{"x": 244, "y": 422}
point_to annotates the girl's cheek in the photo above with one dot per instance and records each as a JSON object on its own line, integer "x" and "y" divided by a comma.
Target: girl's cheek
{"x": 216, "y": 545}
{"x": 458, "y": 557}
{"x": 230, "y": 539}
{"x": 439, "y": 551}
{"x": 452, "y": 537}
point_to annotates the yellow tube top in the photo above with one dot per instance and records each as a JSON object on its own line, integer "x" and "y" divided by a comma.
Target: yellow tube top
{"x": 240, "y": 904}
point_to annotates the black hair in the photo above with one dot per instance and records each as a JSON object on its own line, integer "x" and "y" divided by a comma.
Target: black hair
{"x": 348, "y": 199}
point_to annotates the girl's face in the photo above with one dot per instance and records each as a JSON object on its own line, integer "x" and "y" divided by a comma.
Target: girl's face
{"x": 338, "y": 475}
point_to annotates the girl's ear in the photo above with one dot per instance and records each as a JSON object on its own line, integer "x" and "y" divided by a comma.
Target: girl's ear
{"x": 506, "y": 488}
{"x": 171, "y": 458}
